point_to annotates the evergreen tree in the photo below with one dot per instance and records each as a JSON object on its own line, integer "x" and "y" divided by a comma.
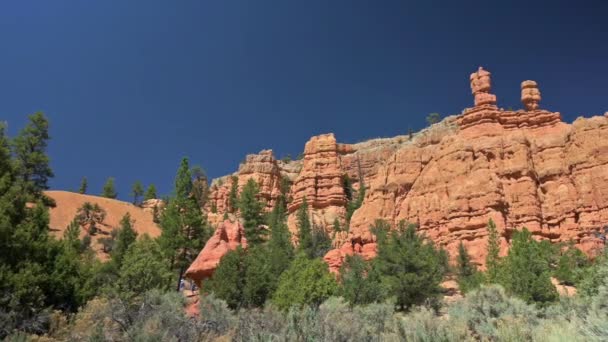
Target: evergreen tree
{"x": 251, "y": 212}
{"x": 337, "y": 227}
{"x": 200, "y": 186}
{"x": 360, "y": 283}
{"x": 228, "y": 280}
{"x": 260, "y": 281}
{"x": 468, "y": 276}
{"x": 279, "y": 246}
{"x": 184, "y": 228}
{"x": 433, "y": 118}
{"x": 108, "y": 189}
{"x": 83, "y": 186}
{"x": 305, "y": 282}
{"x": 233, "y": 195}
{"x": 125, "y": 237}
{"x": 526, "y": 273}
{"x": 89, "y": 216}
{"x": 305, "y": 241}
{"x": 143, "y": 268}
{"x": 410, "y": 267}
{"x": 571, "y": 266}
{"x": 31, "y": 161}
{"x": 150, "y": 193}
{"x": 321, "y": 242}
{"x": 137, "y": 191}
{"x": 492, "y": 259}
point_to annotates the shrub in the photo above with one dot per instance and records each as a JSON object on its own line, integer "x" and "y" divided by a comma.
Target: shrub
{"x": 485, "y": 311}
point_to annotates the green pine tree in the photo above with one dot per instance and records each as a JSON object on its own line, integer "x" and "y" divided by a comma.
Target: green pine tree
{"x": 410, "y": 267}
{"x": 137, "y": 191}
{"x": 280, "y": 247}
{"x": 228, "y": 280}
{"x": 305, "y": 282}
{"x": 251, "y": 211}
{"x": 31, "y": 161}
{"x": 493, "y": 259}
{"x": 526, "y": 272}
{"x": 125, "y": 237}
{"x": 184, "y": 228}
{"x": 83, "y": 186}
{"x": 571, "y": 266}
{"x": 150, "y": 193}
{"x": 468, "y": 276}
{"x": 109, "y": 190}
{"x": 360, "y": 283}
{"x": 233, "y": 195}
{"x": 143, "y": 268}
{"x": 305, "y": 240}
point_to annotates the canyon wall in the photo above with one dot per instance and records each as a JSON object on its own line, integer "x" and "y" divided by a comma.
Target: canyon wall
{"x": 524, "y": 168}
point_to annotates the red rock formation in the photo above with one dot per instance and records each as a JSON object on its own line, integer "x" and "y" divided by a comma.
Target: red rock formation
{"x": 320, "y": 181}
{"x": 481, "y": 86}
{"x": 228, "y": 236}
{"x": 522, "y": 168}
{"x": 530, "y": 95}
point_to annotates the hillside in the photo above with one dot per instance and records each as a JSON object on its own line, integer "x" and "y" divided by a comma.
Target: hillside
{"x": 67, "y": 204}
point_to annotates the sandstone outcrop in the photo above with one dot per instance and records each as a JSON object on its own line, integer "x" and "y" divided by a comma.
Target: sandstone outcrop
{"x": 228, "y": 236}
{"x": 68, "y": 203}
{"x": 523, "y": 168}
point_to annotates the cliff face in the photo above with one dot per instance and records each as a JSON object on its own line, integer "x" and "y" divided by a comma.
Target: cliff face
{"x": 522, "y": 168}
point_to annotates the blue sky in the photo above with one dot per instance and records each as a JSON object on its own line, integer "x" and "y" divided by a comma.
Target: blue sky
{"x": 132, "y": 86}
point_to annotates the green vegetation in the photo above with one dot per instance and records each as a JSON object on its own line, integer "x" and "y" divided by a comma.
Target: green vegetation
{"x": 468, "y": 276}
{"x": 251, "y": 208}
{"x": 83, "y": 186}
{"x": 410, "y": 267}
{"x": 150, "y": 193}
{"x": 433, "y": 118}
{"x": 109, "y": 190}
{"x": 184, "y": 228}
{"x": 233, "y": 196}
{"x": 137, "y": 190}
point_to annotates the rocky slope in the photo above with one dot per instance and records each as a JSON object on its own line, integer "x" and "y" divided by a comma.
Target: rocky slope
{"x": 67, "y": 204}
{"x": 524, "y": 168}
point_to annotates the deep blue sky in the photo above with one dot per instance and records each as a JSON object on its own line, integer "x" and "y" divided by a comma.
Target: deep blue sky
{"x": 132, "y": 86}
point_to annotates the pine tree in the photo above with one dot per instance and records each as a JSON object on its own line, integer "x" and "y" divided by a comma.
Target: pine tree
{"x": 280, "y": 248}
{"x": 571, "y": 266}
{"x": 433, "y": 118}
{"x": 143, "y": 268}
{"x": 184, "y": 228}
{"x": 137, "y": 191}
{"x": 305, "y": 242}
{"x": 108, "y": 189}
{"x": 492, "y": 259}
{"x": 83, "y": 186}
{"x": 125, "y": 237}
{"x": 228, "y": 280}
{"x": 233, "y": 196}
{"x": 360, "y": 283}
{"x": 150, "y": 193}
{"x": 251, "y": 211}
{"x": 90, "y": 215}
{"x": 260, "y": 281}
{"x": 31, "y": 161}
{"x": 468, "y": 276}
{"x": 200, "y": 186}
{"x": 410, "y": 267}
{"x": 305, "y": 282}
{"x": 526, "y": 272}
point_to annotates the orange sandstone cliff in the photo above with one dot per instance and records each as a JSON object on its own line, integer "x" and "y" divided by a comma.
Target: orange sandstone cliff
{"x": 524, "y": 168}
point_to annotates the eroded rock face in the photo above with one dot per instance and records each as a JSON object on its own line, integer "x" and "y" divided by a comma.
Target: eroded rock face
{"x": 524, "y": 168}
{"x": 228, "y": 236}
{"x": 521, "y": 169}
